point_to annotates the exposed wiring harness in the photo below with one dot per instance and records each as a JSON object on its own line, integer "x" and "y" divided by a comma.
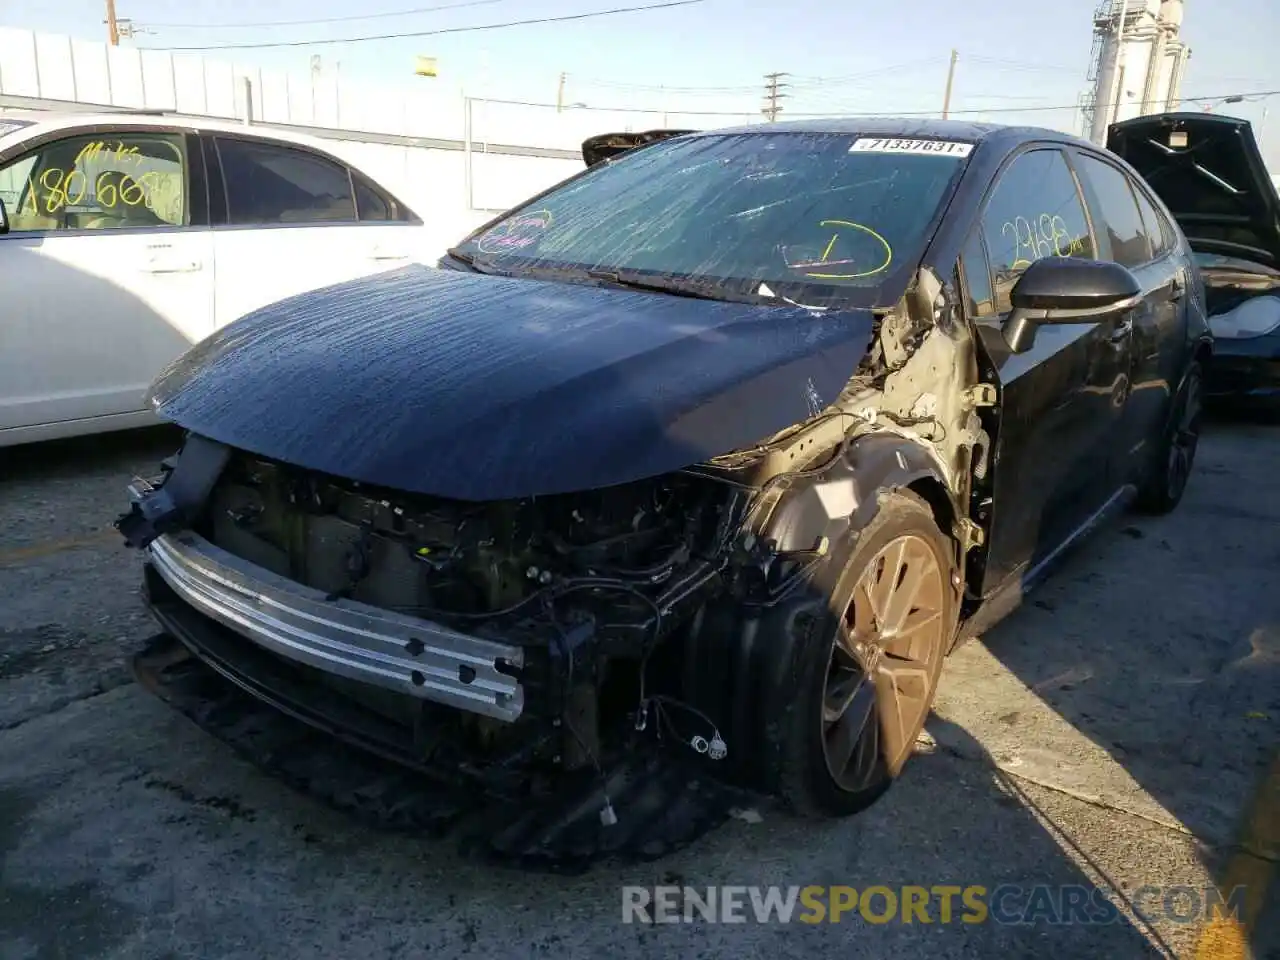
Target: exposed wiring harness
{"x": 714, "y": 747}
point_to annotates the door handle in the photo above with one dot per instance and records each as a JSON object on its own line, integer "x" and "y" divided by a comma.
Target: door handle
{"x": 1120, "y": 332}
{"x": 165, "y": 265}
{"x": 379, "y": 254}
{"x": 1177, "y": 287}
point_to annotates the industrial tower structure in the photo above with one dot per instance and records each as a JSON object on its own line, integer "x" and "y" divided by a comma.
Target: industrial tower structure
{"x": 1137, "y": 65}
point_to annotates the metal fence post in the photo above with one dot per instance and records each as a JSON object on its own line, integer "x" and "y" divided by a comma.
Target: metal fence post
{"x": 246, "y": 96}
{"x": 467, "y": 153}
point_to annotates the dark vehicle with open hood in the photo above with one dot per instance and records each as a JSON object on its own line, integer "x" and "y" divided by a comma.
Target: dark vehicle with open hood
{"x": 1209, "y": 171}
{"x": 681, "y": 478}
{"x": 606, "y": 146}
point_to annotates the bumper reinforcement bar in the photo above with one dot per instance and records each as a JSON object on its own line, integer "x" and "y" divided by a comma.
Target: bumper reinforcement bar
{"x": 342, "y": 637}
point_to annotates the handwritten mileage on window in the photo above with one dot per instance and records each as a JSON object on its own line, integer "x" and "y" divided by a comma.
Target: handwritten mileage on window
{"x": 102, "y": 152}
{"x": 70, "y": 188}
{"x": 1038, "y": 237}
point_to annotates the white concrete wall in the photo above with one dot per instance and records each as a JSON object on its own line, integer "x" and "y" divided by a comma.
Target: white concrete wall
{"x": 518, "y": 150}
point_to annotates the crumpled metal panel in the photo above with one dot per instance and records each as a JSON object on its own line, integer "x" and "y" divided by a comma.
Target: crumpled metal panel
{"x": 481, "y": 387}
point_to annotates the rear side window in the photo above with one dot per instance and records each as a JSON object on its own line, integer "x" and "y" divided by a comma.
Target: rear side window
{"x": 1034, "y": 211}
{"x": 375, "y": 204}
{"x": 1157, "y": 227}
{"x": 1121, "y": 233}
{"x": 268, "y": 184}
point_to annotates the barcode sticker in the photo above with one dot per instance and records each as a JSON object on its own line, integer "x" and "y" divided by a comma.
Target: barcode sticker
{"x": 939, "y": 148}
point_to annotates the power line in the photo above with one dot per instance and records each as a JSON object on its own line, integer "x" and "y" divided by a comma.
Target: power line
{"x": 801, "y": 81}
{"x": 795, "y": 81}
{"x": 303, "y": 23}
{"x": 663, "y": 88}
{"x": 435, "y": 33}
{"x": 1021, "y": 65}
{"x": 867, "y": 114}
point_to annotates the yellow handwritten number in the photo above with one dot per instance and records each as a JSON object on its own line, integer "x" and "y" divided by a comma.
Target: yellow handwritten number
{"x": 105, "y": 190}
{"x": 132, "y": 193}
{"x": 129, "y": 191}
{"x": 1045, "y": 236}
{"x": 58, "y": 187}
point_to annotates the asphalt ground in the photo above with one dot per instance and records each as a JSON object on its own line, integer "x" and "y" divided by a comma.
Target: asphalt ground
{"x": 1117, "y": 734}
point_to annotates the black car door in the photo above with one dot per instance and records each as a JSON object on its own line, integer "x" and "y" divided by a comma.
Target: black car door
{"x": 1131, "y": 231}
{"x": 1060, "y": 400}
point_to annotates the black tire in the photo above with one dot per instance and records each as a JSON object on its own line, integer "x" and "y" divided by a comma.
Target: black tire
{"x": 802, "y": 775}
{"x": 1171, "y": 465}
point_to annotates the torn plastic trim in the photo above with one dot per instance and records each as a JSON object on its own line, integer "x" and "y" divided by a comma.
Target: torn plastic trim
{"x": 396, "y": 652}
{"x": 170, "y": 506}
{"x": 664, "y": 800}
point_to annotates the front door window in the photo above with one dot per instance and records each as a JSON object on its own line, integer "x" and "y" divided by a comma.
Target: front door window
{"x": 101, "y": 181}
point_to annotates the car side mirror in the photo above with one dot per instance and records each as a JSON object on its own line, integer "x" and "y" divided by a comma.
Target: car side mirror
{"x": 4, "y": 219}
{"x": 1066, "y": 290}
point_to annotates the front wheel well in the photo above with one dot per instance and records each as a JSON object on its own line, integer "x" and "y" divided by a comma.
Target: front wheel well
{"x": 932, "y": 491}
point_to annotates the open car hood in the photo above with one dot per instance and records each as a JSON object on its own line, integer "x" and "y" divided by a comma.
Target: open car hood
{"x": 601, "y": 147}
{"x": 1210, "y": 174}
{"x": 480, "y": 387}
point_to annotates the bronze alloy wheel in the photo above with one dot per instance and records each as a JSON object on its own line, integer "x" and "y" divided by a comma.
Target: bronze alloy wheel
{"x": 1186, "y": 437}
{"x": 894, "y": 631}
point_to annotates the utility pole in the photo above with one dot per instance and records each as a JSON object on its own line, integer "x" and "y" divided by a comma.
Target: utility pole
{"x": 560, "y": 93}
{"x": 113, "y": 26}
{"x": 951, "y": 77}
{"x": 772, "y": 95}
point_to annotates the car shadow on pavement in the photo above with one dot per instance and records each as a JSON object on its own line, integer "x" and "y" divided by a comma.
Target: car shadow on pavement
{"x": 141, "y": 836}
{"x": 1144, "y": 675}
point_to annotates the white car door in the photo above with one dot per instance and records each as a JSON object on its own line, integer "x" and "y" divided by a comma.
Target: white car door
{"x": 105, "y": 280}
{"x": 292, "y": 224}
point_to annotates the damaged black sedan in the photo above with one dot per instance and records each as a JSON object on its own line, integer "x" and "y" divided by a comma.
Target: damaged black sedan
{"x": 710, "y": 453}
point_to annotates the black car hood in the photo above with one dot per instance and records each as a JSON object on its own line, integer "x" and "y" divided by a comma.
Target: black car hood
{"x": 1210, "y": 174}
{"x": 482, "y": 387}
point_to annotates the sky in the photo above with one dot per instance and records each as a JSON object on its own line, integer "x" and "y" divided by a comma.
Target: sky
{"x": 1016, "y": 60}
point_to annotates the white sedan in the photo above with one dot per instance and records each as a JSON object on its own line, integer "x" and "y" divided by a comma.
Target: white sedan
{"x": 124, "y": 239}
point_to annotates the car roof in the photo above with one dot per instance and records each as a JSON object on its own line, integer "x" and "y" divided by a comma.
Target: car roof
{"x": 905, "y": 127}
{"x": 41, "y": 123}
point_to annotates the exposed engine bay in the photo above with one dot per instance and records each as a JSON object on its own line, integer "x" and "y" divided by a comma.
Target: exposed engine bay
{"x": 1230, "y": 282}
{"x": 588, "y": 584}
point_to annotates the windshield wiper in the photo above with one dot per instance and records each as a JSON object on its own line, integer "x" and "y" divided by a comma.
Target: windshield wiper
{"x": 469, "y": 261}
{"x": 676, "y": 288}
